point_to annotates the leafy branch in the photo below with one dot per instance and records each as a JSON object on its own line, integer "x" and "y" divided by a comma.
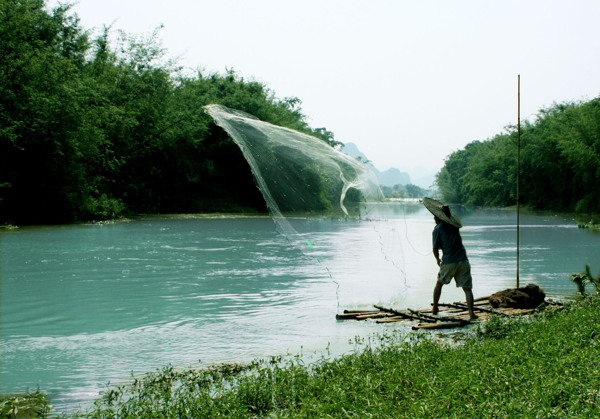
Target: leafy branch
{"x": 585, "y": 277}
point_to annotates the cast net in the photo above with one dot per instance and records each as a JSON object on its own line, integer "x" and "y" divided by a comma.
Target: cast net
{"x": 305, "y": 181}
{"x": 296, "y": 173}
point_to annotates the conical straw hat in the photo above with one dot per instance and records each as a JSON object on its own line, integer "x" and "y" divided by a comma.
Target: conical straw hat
{"x": 442, "y": 211}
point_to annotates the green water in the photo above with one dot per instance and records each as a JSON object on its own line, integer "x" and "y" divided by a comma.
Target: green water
{"x": 85, "y": 305}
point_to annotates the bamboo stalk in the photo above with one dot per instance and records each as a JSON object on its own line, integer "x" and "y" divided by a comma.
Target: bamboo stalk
{"x": 468, "y": 318}
{"x": 505, "y": 310}
{"x": 372, "y": 316}
{"x": 528, "y": 311}
{"x": 437, "y": 318}
{"x": 518, "y": 166}
{"x": 457, "y": 310}
{"x": 444, "y": 325}
{"x": 351, "y": 314}
{"x": 486, "y": 310}
{"x": 399, "y": 313}
{"x": 424, "y": 310}
{"x": 346, "y": 316}
{"x": 360, "y": 311}
{"x": 394, "y": 319}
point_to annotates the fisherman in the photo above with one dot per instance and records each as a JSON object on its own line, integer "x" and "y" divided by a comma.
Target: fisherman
{"x": 454, "y": 262}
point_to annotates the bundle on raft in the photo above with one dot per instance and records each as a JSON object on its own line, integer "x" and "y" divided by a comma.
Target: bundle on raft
{"x": 453, "y": 315}
{"x": 529, "y": 296}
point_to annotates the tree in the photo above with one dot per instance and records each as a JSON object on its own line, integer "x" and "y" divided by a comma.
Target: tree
{"x": 41, "y": 54}
{"x": 560, "y": 163}
{"x": 88, "y": 130}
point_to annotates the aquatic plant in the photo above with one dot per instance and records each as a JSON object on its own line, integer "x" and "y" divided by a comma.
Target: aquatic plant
{"x": 497, "y": 327}
{"x": 28, "y": 405}
{"x": 585, "y": 277}
{"x": 588, "y": 221}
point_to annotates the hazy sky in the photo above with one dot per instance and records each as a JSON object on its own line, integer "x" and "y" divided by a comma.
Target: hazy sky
{"x": 408, "y": 81}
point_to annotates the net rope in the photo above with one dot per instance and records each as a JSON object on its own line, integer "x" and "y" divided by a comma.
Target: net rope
{"x": 295, "y": 172}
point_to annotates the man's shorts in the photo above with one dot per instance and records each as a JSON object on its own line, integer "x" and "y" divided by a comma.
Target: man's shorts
{"x": 460, "y": 271}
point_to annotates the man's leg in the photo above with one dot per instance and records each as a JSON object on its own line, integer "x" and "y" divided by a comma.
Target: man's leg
{"x": 437, "y": 292}
{"x": 469, "y": 296}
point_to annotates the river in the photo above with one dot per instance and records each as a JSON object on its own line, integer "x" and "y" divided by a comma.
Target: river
{"x": 87, "y": 305}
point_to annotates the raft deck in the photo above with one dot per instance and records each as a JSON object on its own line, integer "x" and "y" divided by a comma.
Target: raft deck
{"x": 449, "y": 315}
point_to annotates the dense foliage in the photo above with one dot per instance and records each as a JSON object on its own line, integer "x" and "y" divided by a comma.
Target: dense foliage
{"x": 545, "y": 366}
{"x": 89, "y": 131}
{"x": 560, "y": 163}
{"x": 404, "y": 191}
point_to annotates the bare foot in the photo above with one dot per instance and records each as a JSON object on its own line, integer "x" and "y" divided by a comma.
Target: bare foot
{"x": 473, "y": 317}
{"x": 434, "y": 311}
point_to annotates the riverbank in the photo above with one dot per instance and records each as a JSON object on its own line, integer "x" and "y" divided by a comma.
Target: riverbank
{"x": 589, "y": 225}
{"x": 542, "y": 365}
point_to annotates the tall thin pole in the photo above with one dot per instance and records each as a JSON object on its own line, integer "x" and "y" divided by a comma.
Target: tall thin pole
{"x": 518, "y": 165}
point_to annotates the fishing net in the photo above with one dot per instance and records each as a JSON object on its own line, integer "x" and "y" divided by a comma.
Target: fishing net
{"x": 296, "y": 173}
{"x": 303, "y": 180}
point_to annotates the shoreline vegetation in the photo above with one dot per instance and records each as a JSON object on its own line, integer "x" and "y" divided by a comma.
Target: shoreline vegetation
{"x": 542, "y": 365}
{"x": 104, "y": 128}
{"x": 559, "y": 170}
{"x": 591, "y": 222}
{"x": 583, "y": 221}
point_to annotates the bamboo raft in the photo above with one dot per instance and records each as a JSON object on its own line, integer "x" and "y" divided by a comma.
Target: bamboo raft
{"x": 449, "y": 315}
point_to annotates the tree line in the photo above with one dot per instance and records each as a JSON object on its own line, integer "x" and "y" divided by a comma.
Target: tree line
{"x": 91, "y": 130}
{"x": 404, "y": 191}
{"x": 559, "y": 163}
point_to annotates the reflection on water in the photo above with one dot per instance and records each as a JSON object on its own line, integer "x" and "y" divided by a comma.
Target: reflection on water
{"x": 85, "y": 305}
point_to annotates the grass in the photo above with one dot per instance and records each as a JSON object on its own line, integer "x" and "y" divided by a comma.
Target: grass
{"x": 30, "y": 405}
{"x": 544, "y": 365}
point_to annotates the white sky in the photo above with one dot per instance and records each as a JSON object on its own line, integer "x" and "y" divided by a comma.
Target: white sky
{"x": 408, "y": 81}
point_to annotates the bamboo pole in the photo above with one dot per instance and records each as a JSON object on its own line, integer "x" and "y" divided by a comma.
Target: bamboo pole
{"x": 360, "y": 311}
{"x": 518, "y": 165}
{"x": 353, "y": 316}
{"x": 445, "y": 325}
{"x": 403, "y": 314}
{"x": 477, "y": 308}
{"x": 394, "y": 319}
{"x": 373, "y": 316}
{"x": 431, "y": 319}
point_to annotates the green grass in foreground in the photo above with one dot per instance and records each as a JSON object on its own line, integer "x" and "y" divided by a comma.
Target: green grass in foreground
{"x": 23, "y": 406}
{"x": 540, "y": 366}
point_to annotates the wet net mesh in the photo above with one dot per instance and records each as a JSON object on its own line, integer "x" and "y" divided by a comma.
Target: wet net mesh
{"x": 296, "y": 173}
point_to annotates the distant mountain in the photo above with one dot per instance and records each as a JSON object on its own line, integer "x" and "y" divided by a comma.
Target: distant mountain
{"x": 352, "y": 150}
{"x": 389, "y": 177}
{"x": 421, "y": 176}
{"x": 425, "y": 181}
{"x": 393, "y": 176}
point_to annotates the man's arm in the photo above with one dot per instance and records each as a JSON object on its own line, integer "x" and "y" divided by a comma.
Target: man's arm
{"x": 436, "y": 254}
